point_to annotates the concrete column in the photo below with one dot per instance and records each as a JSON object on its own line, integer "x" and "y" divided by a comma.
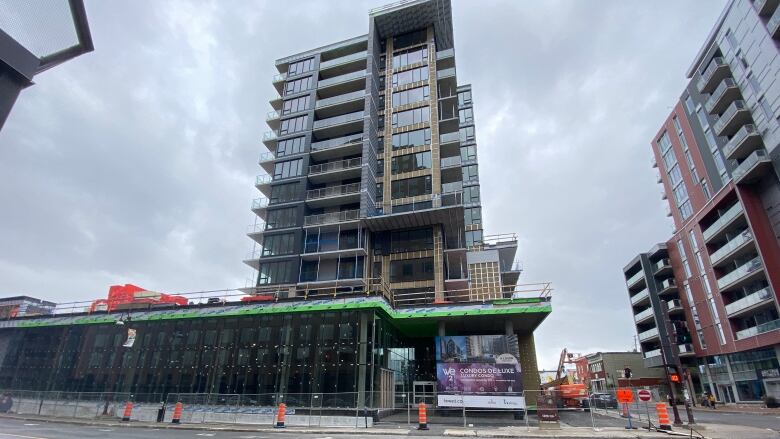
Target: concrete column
{"x": 709, "y": 377}
{"x": 362, "y": 359}
{"x": 442, "y": 330}
{"x": 509, "y": 327}
{"x": 732, "y": 383}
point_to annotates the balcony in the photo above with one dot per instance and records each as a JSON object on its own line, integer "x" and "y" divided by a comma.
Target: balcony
{"x": 349, "y": 118}
{"x": 263, "y": 180}
{"x": 725, "y": 94}
{"x": 346, "y": 59}
{"x": 667, "y": 286}
{"x": 662, "y": 266}
{"x": 726, "y": 219}
{"x": 648, "y": 335}
{"x": 773, "y": 26}
{"x": 269, "y": 138}
{"x": 334, "y": 195}
{"x": 444, "y": 54}
{"x": 758, "y": 329}
{"x": 340, "y": 99}
{"x": 278, "y": 81}
{"x": 640, "y": 297}
{"x": 740, "y": 274}
{"x": 266, "y": 160}
{"x": 715, "y": 72}
{"x": 635, "y": 278}
{"x": 338, "y": 170}
{"x": 449, "y": 138}
{"x": 332, "y": 218}
{"x": 765, "y": 8}
{"x": 445, "y": 73}
{"x": 272, "y": 115}
{"x": 644, "y": 315}
{"x": 449, "y": 162}
{"x": 731, "y": 248}
{"x": 745, "y": 141}
{"x": 337, "y": 147}
{"x": 753, "y": 168}
{"x": 653, "y": 353}
{"x": 686, "y": 350}
{"x": 348, "y": 77}
{"x": 750, "y": 302}
{"x": 732, "y": 119}
{"x": 259, "y": 203}
{"x": 674, "y": 306}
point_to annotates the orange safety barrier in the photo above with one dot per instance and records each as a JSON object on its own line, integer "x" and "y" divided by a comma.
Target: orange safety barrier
{"x": 422, "y": 414}
{"x": 177, "y": 413}
{"x": 280, "y": 416}
{"x": 663, "y": 416}
{"x": 128, "y": 411}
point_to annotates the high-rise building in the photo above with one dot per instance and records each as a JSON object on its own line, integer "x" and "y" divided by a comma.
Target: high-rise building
{"x": 707, "y": 299}
{"x": 369, "y": 245}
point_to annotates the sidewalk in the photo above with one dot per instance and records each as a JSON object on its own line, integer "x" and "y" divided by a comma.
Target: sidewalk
{"x": 756, "y": 409}
{"x": 564, "y": 432}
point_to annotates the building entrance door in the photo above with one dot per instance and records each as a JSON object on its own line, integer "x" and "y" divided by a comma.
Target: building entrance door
{"x": 425, "y": 391}
{"x": 726, "y": 393}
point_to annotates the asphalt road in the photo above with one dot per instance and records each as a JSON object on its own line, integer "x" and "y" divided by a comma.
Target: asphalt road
{"x": 705, "y": 417}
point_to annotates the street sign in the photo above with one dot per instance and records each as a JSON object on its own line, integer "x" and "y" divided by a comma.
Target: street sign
{"x": 625, "y": 395}
{"x": 644, "y": 395}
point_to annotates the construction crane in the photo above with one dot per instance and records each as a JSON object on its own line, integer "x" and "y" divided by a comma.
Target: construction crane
{"x": 566, "y": 392}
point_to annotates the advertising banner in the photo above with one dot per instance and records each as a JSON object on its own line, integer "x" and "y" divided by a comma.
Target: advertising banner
{"x": 130, "y": 338}
{"x": 479, "y": 371}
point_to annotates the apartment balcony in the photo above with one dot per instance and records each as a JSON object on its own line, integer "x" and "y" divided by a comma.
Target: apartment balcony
{"x": 445, "y": 73}
{"x": 650, "y": 334}
{"x": 741, "y": 275}
{"x": 337, "y": 147}
{"x": 712, "y": 75}
{"x": 446, "y": 138}
{"x": 773, "y": 26}
{"x": 663, "y": 194}
{"x": 641, "y": 297}
{"x": 332, "y": 218}
{"x": 750, "y": 302}
{"x": 653, "y": 353}
{"x": 255, "y": 231}
{"x": 762, "y": 328}
{"x": 334, "y": 171}
{"x": 726, "y": 93}
{"x": 278, "y": 81}
{"x": 339, "y": 125}
{"x": 753, "y": 168}
{"x": 259, "y": 204}
{"x": 272, "y": 119}
{"x": 450, "y": 162}
{"x": 333, "y": 195}
{"x": 734, "y": 248}
{"x": 263, "y": 183}
{"x": 662, "y": 266}
{"x": 686, "y": 350}
{"x": 658, "y": 178}
{"x": 736, "y": 115}
{"x": 332, "y": 250}
{"x": 346, "y": 78}
{"x": 634, "y": 279}
{"x": 339, "y": 104}
{"x": 744, "y": 142}
{"x": 674, "y": 306}
{"x": 445, "y": 59}
{"x": 765, "y": 8}
{"x": 266, "y": 161}
{"x": 725, "y": 220}
{"x": 667, "y": 286}
{"x": 643, "y": 316}
{"x": 653, "y": 163}
{"x": 345, "y": 62}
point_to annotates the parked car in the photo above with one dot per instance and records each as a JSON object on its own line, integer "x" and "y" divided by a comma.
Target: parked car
{"x": 603, "y": 401}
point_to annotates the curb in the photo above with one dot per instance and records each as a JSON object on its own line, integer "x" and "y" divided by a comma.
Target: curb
{"x": 734, "y": 412}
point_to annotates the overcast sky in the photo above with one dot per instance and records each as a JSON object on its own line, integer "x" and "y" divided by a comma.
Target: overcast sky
{"x": 136, "y": 163}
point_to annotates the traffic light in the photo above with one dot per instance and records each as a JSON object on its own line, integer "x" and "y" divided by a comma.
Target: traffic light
{"x": 675, "y": 378}
{"x": 627, "y": 372}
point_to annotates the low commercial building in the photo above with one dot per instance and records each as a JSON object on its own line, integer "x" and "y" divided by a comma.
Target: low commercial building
{"x": 606, "y": 371}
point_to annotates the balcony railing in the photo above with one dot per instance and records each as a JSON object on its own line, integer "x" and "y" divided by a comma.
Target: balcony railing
{"x": 259, "y": 203}
{"x": 758, "y": 329}
{"x": 749, "y": 163}
{"x": 774, "y": 23}
{"x": 335, "y": 166}
{"x": 633, "y": 279}
{"x": 341, "y": 78}
{"x": 272, "y": 115}
{"x": 448, "y": 53}
{"x": 338, "y": 141}
{"x": 721, "y": 222}
{"x": 653, "y": 353}
{"x": 266, "y": 157}
{"x": 650, "y": 333}
{"x": 445, "y": 73}
{"x": 279, "y": 77}
{"x": 343, "y": 60}
{"x": 661, "y": 263}
{"x": 667, "y": 284}
{"x": 764, "y": 7}
{"x": 333, "y": 191}
{"x": 740, "y": 272}
{"x": 760, "y": 296}
{"x": 446, "y": 162}
{"x": 449, "y": 137}
{"x": 642, "y": 295}
{"x": 674, "y": 305}
{"x": 686, "y": 349}
{"x": 337, "y": 120}
{"x": 269, "y": 135}
{"x": 346, "y": 97}
{"x": 332, "y": 217}
{"x": 730, "y": 246}
{"x": 643, "y": 315}
{"x": 738, "y": 139}
{"x": 716, "y": 96}
{"x": 708, "y": 74}
{"x": 729, "y": 115}
{"x": 263, "y": 179}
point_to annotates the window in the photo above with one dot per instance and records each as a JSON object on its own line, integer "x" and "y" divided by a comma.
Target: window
{"x": 689, "y": 104}
{"x": 766, "y": 108}
{"x": 409, "y": 76}
{"x": 299, "y": 67}
{"x": 411, "y": 162}
{"x": 669, "y": 159}
{"x": 297, "y": 86}
{"x": 290, "y": 146}
{"x": 471, "y": 194}
{"x": 411, "y": 187}
{"x": 380, "y": 192}
{"x": 276, "y": 245}
{"x": 751, "y": 78}
{"x": 410, "y": 38}
{"x": 465, "y": 116}
{"x": 473, "y": 237}
{"x": 684, "y": 258}
{"x": 689, "y": 159}
{"x": 466, "y": 134}
{"x": 675, "y": 176}
{"x": 279, "y": 218}
{"x": 411, "y": 96}
{"x": 730, "y": 40}
{"x": 412, "y": 138}
{"x": 410, "y": 270}
{"x": 293, "y": 125}
{"x": 664, "y": 143}
{"x": 703, "y": 119}
{"x": 380, "y": 167}
{"x": 295, "y": 105}
{"x": 470, "y": 173}
{"x": 686, "y": 209}
{"x": 464, "y": 98}
{"x": 411, "y": 240}
{"x": 680, "y": 194}
{"x": 705, "y": 189}
{"x": 468, "y": 153}
{"x": 411, "y": 117}
{"x": 290, "y": 168}
{"x": 277, "y": 272}
{"x": 473, "y": 215}
{"x": 284, "y": 193}
{"x": 411, "y": 56}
